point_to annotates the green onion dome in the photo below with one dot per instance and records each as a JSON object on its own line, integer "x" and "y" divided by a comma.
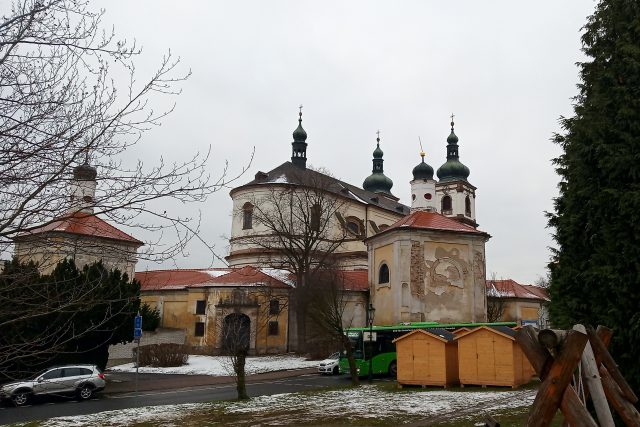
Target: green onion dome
{"x": 452, "y": 169}
{"x": 423, "y": 170}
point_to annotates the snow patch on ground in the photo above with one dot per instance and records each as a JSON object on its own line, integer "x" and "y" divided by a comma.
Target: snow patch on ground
{"x": 221, "y": 365}
{"x": 366, "y": 402}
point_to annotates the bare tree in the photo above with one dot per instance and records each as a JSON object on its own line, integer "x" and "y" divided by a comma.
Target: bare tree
{"x": 70, "y": 97}
{"x": 495, "y": 302}
{"x": 298, "y": 229}
{"x": 233, "y": 326}
{"x": 329, "y": 311}
{"x": 61, "y": 105}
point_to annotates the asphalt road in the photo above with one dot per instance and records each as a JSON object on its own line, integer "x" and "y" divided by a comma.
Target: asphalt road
{"x": 108, "y": 401}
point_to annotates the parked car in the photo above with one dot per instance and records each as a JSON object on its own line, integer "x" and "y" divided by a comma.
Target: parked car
{"x": 83, "y": 381}
{"x": 330, "y": 364}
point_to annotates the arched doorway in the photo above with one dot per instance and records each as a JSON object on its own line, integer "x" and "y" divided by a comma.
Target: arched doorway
{"x": 236, "y": 333}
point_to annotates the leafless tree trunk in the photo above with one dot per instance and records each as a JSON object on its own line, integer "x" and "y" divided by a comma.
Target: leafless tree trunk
{"x": 297, "y": 228}
{"x": 495, "y": 302}
{"x": 328, "y": 311}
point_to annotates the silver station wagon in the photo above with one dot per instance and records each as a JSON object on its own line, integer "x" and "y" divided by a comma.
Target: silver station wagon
{"x": 79, "y": 380}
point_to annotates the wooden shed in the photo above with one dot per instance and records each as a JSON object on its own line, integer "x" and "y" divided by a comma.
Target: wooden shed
{"x": 427, "y": 357}
{"x": 490, "y": 356}
{"x": 461, "y": 331}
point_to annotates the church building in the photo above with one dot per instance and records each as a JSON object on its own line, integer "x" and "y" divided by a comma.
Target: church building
{"x": 424, "y": 262}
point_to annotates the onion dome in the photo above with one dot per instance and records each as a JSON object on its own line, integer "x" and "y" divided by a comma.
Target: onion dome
{"x": 452, "y": 169}
{"x": 378, "y": 182}
{"x": 299, "y": 145}
{"x": 299, "y": 135}
{"x": 85, "y": 172}
{"x": 423, "y": 170}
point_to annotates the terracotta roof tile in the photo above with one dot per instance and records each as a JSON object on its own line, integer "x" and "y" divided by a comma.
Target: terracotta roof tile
{"x": 355, "y": 280}
{"x": 352, "y": 280}
{"x": 84, "y": 224}
{"x": 432, "y": 221}
{"x": 509, "y": 288}
{"x": 212, "y": 277}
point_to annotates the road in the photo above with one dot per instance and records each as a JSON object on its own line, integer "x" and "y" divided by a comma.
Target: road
{"x": 109, "y": 401}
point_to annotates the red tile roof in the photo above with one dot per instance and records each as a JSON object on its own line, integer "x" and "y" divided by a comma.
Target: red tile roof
{"x": 85, "y": 224}
{"x": 212, "y": 277}
{"x": 353, "y": 280}
{"x": 432, "y": 221}
{"x": 509, "y": 288}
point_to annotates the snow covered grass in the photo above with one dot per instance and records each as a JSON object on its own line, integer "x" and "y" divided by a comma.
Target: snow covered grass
{"x": 379, "y": 404}
{"x": 220, "y": 365}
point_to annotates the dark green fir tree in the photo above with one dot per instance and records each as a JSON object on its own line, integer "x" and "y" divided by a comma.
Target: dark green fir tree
{"x": 595, "y": 273}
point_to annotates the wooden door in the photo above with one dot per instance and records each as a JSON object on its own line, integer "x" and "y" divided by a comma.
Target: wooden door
{"x": 420, "y": 359}
{"x": 486, "y": 359}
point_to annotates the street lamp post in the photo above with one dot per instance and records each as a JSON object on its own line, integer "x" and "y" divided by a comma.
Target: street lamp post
{"x": 370, "y": 313}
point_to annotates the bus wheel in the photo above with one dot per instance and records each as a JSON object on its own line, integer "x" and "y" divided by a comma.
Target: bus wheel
{"x": 393, "y": 369}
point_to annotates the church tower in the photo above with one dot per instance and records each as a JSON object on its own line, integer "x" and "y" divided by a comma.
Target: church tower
{"x": 378, "y": 182}
{"x": 456, "y": 195}
{"x": 423, "y": 188}
{"x": 299, "y": 145}
{"x": 83, "y": 187}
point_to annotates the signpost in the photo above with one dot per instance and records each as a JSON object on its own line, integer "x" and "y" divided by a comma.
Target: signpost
{"x": 137, "y": 334}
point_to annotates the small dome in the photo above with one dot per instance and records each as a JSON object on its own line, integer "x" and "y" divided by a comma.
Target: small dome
{"x": 452, "y": 169}
{"x": 299, "y": 135}
{"x": 378, "y": 183}
{"x": 85, "y": 172}
{"x": 423, "y": 171}
{"x": 377, "y": 153}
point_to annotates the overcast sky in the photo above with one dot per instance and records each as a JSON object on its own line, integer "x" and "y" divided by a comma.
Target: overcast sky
{"x": 506, "y": 69}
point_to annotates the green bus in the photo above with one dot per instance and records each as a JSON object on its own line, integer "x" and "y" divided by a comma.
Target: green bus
{"x": 384, "y": 350}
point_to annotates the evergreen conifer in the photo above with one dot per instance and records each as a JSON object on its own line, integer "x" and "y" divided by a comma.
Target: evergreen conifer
{"x": 595, "y": 273}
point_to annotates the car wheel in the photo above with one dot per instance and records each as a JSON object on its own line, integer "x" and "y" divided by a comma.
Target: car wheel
{"x": 85, "y": 392}
{"x": 336, "y": 370}
{"x": 21, "y": 398}
{"x": 393, "y": 369}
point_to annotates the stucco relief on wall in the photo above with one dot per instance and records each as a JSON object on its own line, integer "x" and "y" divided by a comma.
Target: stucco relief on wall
{"x": 446, "y": 271}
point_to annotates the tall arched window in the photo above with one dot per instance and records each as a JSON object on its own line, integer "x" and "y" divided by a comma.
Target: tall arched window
{"x": 315, "y": 218}
{"x": 247, "y": 216}
{"x": 446, "y": 205}
{"x": 467, "y": 206}
{"x": 383, "y": 274}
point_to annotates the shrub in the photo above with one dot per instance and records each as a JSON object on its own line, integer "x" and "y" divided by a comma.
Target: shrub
{"x": 163, "y": 355}
{"x": 150, "y": 317}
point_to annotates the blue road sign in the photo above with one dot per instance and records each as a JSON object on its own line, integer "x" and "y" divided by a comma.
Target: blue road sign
{"x": 137, "y": 324}
{"x": 137, "y": 333}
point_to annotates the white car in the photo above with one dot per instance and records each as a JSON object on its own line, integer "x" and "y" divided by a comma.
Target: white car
{"x": 330, "y": 364}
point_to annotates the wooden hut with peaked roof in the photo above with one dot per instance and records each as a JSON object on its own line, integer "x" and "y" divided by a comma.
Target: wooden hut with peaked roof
{"x": 490, "y": 356}
{"x": 427, "y": 357}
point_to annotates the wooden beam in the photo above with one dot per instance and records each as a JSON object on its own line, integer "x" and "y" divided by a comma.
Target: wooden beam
{"x": 553, "y": 387}
{"x": 623, "y": 407}
{"x": 551, "y": 338}
{"x": 591, "y": 378}
{"x": 603, "y": 355}
{"x": 571, "y": 406}
{"x": 604, "y": 334}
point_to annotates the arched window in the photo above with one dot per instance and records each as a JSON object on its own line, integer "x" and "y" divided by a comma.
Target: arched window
{"x": 446, "y": 205}
{"x": 315, "y": 218}
{"x": 383, "y": 274}
{"x": 467, "y": 206}
{"x": 354, "y": 225}
{"x": 247, "y": 216}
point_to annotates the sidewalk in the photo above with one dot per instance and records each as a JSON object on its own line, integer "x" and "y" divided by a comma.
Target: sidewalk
{"x": 121, "y": 382}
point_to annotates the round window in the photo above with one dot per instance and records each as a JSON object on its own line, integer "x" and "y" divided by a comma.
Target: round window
{"x": 427, "y": 196}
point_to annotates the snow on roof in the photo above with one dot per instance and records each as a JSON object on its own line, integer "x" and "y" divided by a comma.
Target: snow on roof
{"x": 280, "y": 274}
{"x": 84, "y": 224}
{"x": 508, "y": 288}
